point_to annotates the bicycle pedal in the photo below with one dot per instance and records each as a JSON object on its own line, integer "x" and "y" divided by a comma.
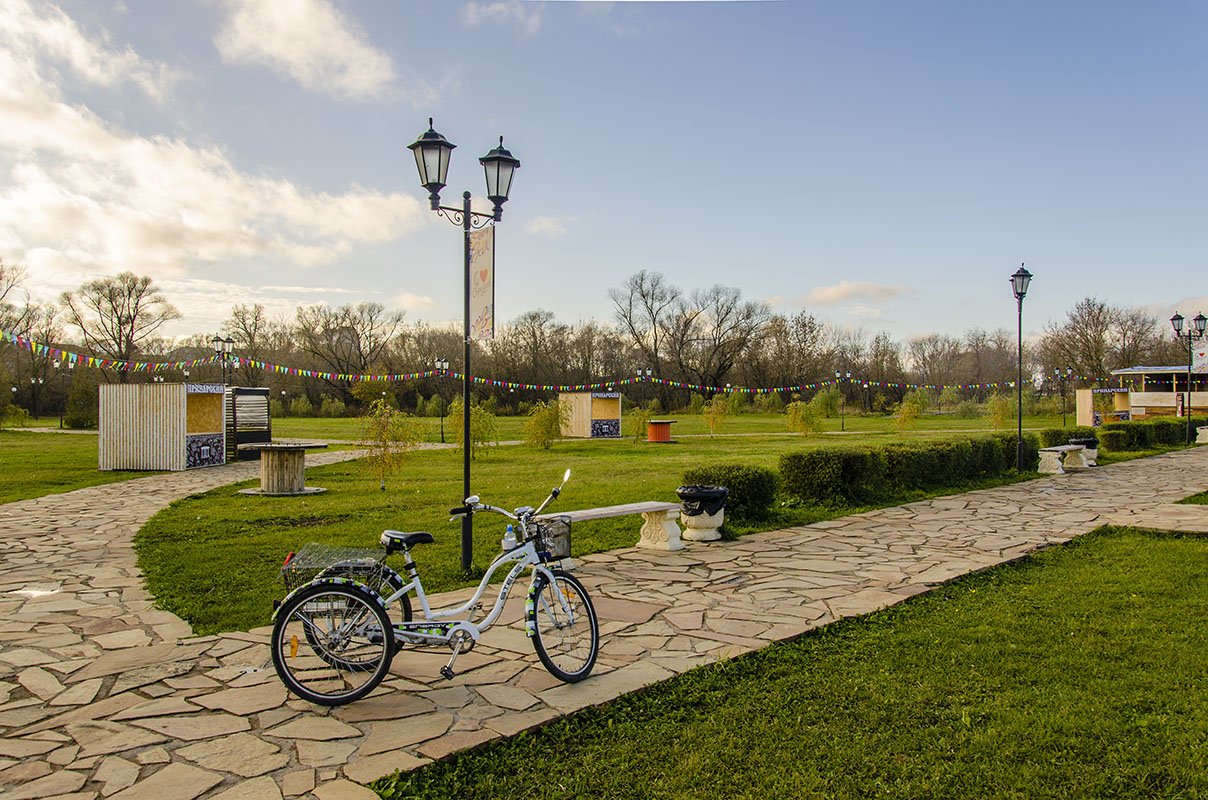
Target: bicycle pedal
{"x": 446, "y": 673}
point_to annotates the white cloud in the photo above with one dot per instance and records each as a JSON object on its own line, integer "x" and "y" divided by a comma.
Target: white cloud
{"x": 411, "y": 302}
{"x": 847, "y": 291}
{"x": 309, "y": 41}
{"x": 80, "y": 197}
{"x": 46, "y": 29}
{"x": 547, "y": 226}
{"x": 524, "y": 15}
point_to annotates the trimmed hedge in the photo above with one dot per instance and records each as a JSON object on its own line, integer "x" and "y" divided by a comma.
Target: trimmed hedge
{"x": 752, "y": 489}
{"x": 1113, "y": 440}
{"x": 1052, "y": 437}
{"x": 1143, "y": 435}
{"x": 861, "y": 475}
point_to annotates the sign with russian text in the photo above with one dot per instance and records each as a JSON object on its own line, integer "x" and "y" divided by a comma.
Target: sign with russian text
{"x": 482, "y": 283}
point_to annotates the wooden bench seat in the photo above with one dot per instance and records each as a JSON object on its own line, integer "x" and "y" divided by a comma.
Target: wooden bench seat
{"x": 660, "y": 530}
{"x": 1054, "y": 460}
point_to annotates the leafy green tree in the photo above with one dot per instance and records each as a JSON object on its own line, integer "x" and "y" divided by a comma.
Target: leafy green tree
{"x": 389, "y": 433}
{"x": 826, "y": 402}
{"x": 769, "y": 403}
{"x": 544, "y": 425}
{"x": 300, "y": 407}
{"x": 1001, "y": 411}
{"x": 715, "y": 412}
{"x": 483, "y": 433}
{"x": 801, "y": 417}
{"x": 950, "y": 396}
{"x": 638, "y": 417}
{"x": 83, "y": 400}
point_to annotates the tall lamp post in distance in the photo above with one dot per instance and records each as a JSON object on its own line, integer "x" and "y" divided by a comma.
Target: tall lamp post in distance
{"x": 60, "y": 374}
{"x": 222, "y": 349}
{"x": 839, "y": 376}
{"x": 442, "y": 366}
{"x": 432, "y": 152}
{"x": 1199, "y": 324}
{"x": 1063, "y": 379}
{"x": 1019, "y": 285}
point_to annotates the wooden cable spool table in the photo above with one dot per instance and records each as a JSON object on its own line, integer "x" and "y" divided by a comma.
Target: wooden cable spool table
{"x": 283, "y": 468}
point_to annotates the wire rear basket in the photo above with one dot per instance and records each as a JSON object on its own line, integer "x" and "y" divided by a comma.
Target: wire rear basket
{"x": 553, "y": 535}
{"x": 361, "y": 564}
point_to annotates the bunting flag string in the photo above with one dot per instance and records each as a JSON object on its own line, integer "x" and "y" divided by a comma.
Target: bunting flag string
{"x": 74, "y": 359}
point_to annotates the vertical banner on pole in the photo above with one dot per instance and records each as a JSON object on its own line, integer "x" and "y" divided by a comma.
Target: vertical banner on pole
{"x": 1199, "y": 359}
{"x": 482, "y": 283}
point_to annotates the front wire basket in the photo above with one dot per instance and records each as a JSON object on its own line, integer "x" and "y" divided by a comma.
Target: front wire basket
{"x": 361, "y": 564}
{"x": 553, "y": 536}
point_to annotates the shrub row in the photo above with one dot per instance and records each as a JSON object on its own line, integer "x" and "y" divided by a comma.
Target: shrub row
{"x": 869, "y": 474}
{"x": 1143, "y": 435}
{"x": 752, "y": 489}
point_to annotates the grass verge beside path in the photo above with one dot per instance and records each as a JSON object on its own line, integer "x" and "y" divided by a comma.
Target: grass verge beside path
{"x": 214, "y": 559}
{"x": 38, "y": 464}
{"x": 1077, "y": 672}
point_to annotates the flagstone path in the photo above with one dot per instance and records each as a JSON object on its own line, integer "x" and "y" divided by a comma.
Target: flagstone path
{"x": 102, "y": 695}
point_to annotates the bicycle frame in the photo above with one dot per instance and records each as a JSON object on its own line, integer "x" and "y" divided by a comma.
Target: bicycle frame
{"x": 423, "y": 632}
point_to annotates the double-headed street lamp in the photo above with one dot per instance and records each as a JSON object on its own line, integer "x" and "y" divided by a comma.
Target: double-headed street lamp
{"x": 1199, "y": 324}
{"x": 442, "y": 366}
{"x": 60, "y": 374}
{"x": 222, "y": 349}
{"x": 432, "y": 151}
{"x": 839, "y": 378}
{"x": 1019, "y": 285}
{"x": 1063, "y": 379}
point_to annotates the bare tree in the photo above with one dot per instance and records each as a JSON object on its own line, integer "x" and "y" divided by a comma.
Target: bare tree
{"x": 934, "y": 358}
{"x": 644, "y": 307}
{"x": 346, "y": 340}
{"x": 118, "y": 315}
{"x": 12, "y": 278}
{"x": 1096, "y": 338}
{"x": 707, "y": 334}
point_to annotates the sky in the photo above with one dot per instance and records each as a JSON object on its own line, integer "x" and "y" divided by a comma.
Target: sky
{"x": 883, "y": 165}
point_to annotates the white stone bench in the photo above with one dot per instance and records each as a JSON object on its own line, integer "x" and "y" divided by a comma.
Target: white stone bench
{"x": 660, "y": 531}
{"x": 1054, "y": 460}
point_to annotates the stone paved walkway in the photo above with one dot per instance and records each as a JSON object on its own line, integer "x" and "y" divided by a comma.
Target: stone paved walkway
{"x": 102, "y": 695}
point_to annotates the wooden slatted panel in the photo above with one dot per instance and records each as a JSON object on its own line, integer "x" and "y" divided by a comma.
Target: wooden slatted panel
{"x": 142, "y": 426}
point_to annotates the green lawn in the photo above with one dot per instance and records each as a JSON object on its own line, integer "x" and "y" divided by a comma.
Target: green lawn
{"x": 37, "y": 464}
{"x": 1077, "y": 673}
{"x": 512, "y": 428}
{"x": 213, "y": 558}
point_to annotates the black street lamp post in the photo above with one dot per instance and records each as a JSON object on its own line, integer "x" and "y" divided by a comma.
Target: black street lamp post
{"x": 222, "y": 349}
{"x": 35, "y": 385}
{"x": 1063, "y": 379}
{"x": 1019, "y": 285}
{"x": 841, "y": 377}
{"x": 1199, "y": 324}
{"x": 442, "y": 366}
{"x": 432, "y": 152}
{"x": 60, "y": 374}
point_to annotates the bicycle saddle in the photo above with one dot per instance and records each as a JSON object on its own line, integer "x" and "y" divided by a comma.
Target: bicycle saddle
{"x": 397, "y": 540}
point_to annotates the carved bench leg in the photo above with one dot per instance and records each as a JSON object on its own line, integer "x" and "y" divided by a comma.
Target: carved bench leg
{"x": 1051, "y": 463}
{"x": 659, "y": 531}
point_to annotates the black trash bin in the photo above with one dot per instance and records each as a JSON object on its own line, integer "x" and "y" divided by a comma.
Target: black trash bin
{"x": 1090, "y": 443}
{"x": 699, "y": 499}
